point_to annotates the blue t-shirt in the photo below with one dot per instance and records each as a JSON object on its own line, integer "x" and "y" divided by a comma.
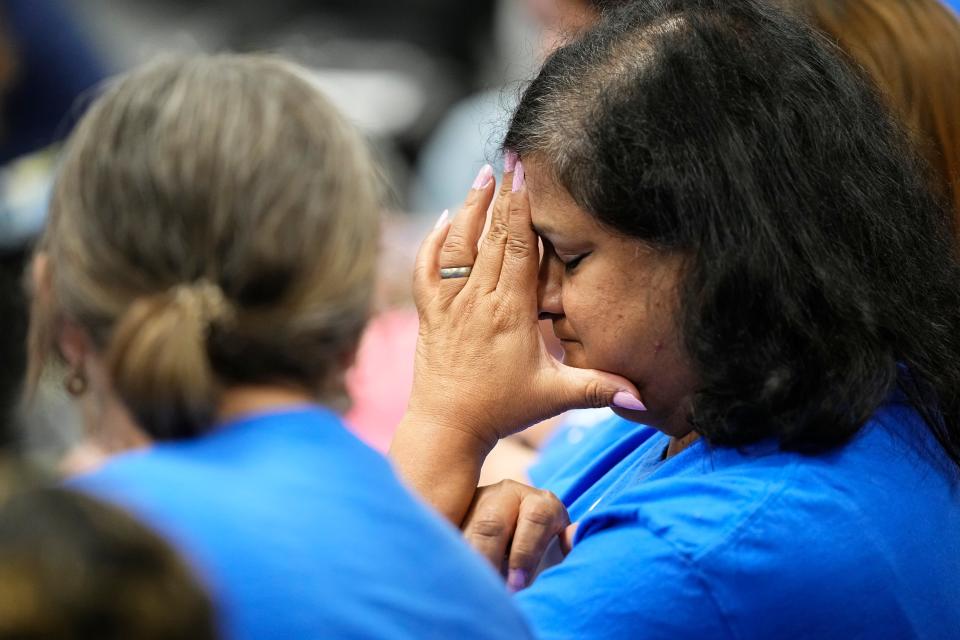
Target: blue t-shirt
{"x": 301, "y": 531}
{"x": 859, "y": 542}
{"x": 580, "y": 438}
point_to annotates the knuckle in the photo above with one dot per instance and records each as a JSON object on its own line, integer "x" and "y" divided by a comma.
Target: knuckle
{"x": 554, "y": 500}
{"x": 455, "y": 242}
{"x": 467, "y": 307}
{"x": 542, "y": 514}
{"x": 556, "y": 504}
{"x": 595, "y": 395}
{"x": 504, "y": 314}
{"x": 498, "y": 229}
{"x": 487, "y": 527}
{"x": 509, "y": 484}
{"x": 519, "y": 248}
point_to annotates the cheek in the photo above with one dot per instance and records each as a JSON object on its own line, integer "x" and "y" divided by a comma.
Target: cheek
{"x": 603, "y": 325}
{"x": 619, "y": 331}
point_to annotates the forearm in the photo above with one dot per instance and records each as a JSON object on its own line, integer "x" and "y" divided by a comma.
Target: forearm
{"x": 440, "y": 463}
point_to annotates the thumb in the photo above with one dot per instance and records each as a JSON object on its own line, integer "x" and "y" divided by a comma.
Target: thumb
{"x": 589, "y": 389}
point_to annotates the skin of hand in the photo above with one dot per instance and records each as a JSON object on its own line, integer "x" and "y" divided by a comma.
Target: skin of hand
{"x": 482, "y": 371}
{"x": 513, "y": 521}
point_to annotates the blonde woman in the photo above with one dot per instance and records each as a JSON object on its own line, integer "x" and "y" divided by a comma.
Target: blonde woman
{"x": 208, "y": 269}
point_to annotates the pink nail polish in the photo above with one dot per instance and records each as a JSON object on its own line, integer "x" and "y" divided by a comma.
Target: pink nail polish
{"x": 517, "y": 580}
{"x": 518, "y": 177}
{"x": 510, "y": 160}
{"x": 626, "y": 400}
{"x": 484, "y": 177}
{"x": 443, "y": 218}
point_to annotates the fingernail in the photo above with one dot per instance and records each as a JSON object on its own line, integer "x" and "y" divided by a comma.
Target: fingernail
{"x": 442, "y": 219}
{"x": 626, "y": 400}
{"x": 509, "y": 160}
{"x": 517, "y": 580}
{"x": 517, "y": 177}
{"x": 484, "y": 177}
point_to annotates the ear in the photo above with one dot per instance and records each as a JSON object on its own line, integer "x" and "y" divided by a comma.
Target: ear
{"x": 40, "y": 276}
{"x": 72, "y": 341}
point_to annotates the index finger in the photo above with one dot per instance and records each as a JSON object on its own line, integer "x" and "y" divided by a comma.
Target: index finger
{"x": 542, "y": 518}
{"x": 490, "y": 526}
{"x": 425, "y": 275}
{"x": 459, "y": 249}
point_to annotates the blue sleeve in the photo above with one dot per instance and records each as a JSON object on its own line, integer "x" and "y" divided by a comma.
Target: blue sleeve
{"x": 576, "y": 442}
{"x": 622, "y": 582}
{"x": 550, "y": 458}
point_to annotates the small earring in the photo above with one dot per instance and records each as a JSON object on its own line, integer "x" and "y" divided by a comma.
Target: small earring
{"x": 76, "y": 382}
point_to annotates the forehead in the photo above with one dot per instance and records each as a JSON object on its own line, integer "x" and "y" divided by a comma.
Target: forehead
{"x": 551, "y": 206}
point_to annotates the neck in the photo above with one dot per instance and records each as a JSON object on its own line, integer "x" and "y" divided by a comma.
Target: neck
{"x": 243, "y": 400}
{"x": 679, "y": 444}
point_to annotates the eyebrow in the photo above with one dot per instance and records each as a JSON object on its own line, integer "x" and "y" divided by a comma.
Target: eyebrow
{"x": 545, "y": 230}
{"x": 553, "y": 236}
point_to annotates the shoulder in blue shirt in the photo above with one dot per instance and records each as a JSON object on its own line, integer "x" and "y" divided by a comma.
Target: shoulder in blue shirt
{"x": 860, "y": 542}
{"x": 301, "y": 531}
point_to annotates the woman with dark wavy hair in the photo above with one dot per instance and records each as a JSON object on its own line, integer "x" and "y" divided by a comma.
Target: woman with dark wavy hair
{"x": 741, "y": 251}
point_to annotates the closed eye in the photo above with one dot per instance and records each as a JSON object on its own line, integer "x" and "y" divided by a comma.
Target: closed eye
{"x": 571, "y": 265}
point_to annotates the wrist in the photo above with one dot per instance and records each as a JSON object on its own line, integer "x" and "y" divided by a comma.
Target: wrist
{"x": 439, "y": 461}
{"x": 456, "y": 429}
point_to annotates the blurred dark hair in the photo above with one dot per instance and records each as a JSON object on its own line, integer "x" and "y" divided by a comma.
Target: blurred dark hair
{"x": 73, "y": 568}
{"x": 821, "y": 273}
{"x": 602, "y": 5}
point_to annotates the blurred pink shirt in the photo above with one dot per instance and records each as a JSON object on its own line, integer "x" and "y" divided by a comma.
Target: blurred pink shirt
{"x": 380, "y": 381}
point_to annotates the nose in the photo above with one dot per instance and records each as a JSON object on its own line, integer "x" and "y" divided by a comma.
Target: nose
{"x": 550, "y": 287}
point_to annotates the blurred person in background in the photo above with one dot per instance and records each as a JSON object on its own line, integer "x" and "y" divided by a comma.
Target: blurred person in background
{"x": 72, "y": 568}
{"x": 737, "y": 232}
{"x": 47, "y": 63}
{"x": 13, "y": 255}
{"x": 55, "y": 65}
{"x": 470, "y": 133}
{"x": 13, "y": 335}
{"x": 911, "y": 49}
{"x": 207, "y": 270}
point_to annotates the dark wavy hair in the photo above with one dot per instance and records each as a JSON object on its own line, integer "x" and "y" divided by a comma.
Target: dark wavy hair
{"x": 821, "y": 272}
